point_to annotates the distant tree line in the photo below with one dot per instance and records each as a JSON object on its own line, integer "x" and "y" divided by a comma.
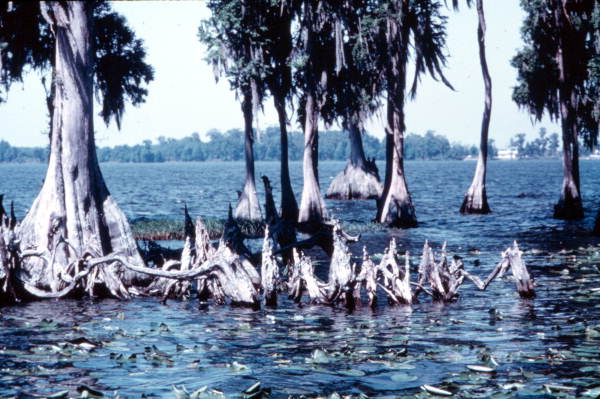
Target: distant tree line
{"x": 543, "y": 146}
{"x": 12, "y": 154}
{"x": 227, "y": 146}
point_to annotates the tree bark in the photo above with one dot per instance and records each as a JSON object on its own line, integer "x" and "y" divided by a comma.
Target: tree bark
{"x": 74, "y": 203}
{"x": 248, "y": 207}
{"x": 312, "y": 207}
{"x": 289, "y": 206}
{"x": 395, "y": 206}
{"x": 360, "y": 178}
{"x": 569, "y": 205}
{"x": 475, "y": 200}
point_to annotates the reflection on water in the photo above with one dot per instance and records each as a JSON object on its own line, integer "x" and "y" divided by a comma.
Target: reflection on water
{"x": 140, "y": 347}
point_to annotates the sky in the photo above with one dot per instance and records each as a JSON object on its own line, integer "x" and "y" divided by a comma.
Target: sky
{"x": 184, "y": 97}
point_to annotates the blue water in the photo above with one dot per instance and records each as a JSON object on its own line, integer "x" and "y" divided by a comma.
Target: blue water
{"x": 316, "y": 350}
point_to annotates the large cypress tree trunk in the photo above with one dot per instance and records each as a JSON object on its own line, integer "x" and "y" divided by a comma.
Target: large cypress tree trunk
{"x": 248, "y": 206}
{"x": 569, "y": 205}
{"x": 395, "y": 205}
{"x": 74, "y": 203}
{"x": 289, "y": 206}
{"x": 476, "y": 197}
{"x": 360, "y": 178}
{"x": 312, "y": 207}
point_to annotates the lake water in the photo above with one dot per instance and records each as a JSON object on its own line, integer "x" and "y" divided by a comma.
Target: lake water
{"x": 316, "y": 350}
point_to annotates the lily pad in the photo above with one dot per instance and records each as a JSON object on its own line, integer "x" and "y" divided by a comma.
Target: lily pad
{"x": 404, "y": 377}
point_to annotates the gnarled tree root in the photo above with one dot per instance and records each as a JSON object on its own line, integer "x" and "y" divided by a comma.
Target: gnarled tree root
{"x": 227, "y": 274}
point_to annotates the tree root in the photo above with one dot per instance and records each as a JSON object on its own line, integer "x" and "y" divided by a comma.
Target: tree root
{"x": 228, "y": 274}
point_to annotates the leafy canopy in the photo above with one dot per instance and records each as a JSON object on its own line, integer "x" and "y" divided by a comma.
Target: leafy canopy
{"x": 121, "y": 71}
{"x": 538, "y": 74}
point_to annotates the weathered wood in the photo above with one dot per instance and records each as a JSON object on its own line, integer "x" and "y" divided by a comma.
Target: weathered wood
{"x": 519, "y": 271}
{"x": 342, "y": 272}
{"x": 511, "y": 259}
{"x": 169, "y": 288}
{"x": 269, "y": 271}
{"x": 303, "y": 279}
{"x": 396, "y": 281}
{"x": 74, "y": 203}
{"x": 321, "y": 236}
{"x": 282, "y": 229}
{"x": 367, "y": 279}
{"x": 444, "y": 279}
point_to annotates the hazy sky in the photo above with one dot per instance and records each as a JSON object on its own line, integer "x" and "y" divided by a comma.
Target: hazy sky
{"x": 184, "y": 97}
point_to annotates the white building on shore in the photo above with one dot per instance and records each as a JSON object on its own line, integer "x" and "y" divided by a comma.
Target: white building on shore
{"x": 508, "y": 153}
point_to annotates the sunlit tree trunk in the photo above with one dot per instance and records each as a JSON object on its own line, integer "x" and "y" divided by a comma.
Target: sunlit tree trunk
{"x": 569, "y": 205}
{"x": 248, "y": 206}
{"x": 475, "y": 200}
{"x": 395, "y": 206}
{"x": 74, "y": 203}
{"x": 360, "y": 178}
{"x": 312, "y": 207}
{"x": 289, "y": 206}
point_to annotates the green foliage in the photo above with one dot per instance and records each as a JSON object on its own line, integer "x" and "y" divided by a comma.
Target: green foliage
{"x": 226, "y": 146}
{"x": 22, "y": 154}
{"x": 120, "y": 64}
{"x": 120, "y": 67}
{"x": 233, "y": 39}
{"x": 434, "y": 146}
{"x": 548, "y": 30}
{"x": 357, "y": 85}
{"x": 544, "y": 146}
{"x": 25, "y": 40}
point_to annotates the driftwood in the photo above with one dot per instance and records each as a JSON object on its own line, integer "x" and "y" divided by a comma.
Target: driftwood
{"x": 302, "y": 279}
{"x": 439, "y": 279}
{"x": 511, "y": 258}
{"x": 342, "y": 279}
{"x": 282, "y": 231}
{"x": 269, "y": 271}
{"x": 229, "y": 272}
{"x": 396, "y": 281}
{"x": 444, "y": 279}
{"x": 366, "y": 280}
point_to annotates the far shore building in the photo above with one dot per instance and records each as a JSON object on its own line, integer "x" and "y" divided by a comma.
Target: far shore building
{"x": 508, "y": 153}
